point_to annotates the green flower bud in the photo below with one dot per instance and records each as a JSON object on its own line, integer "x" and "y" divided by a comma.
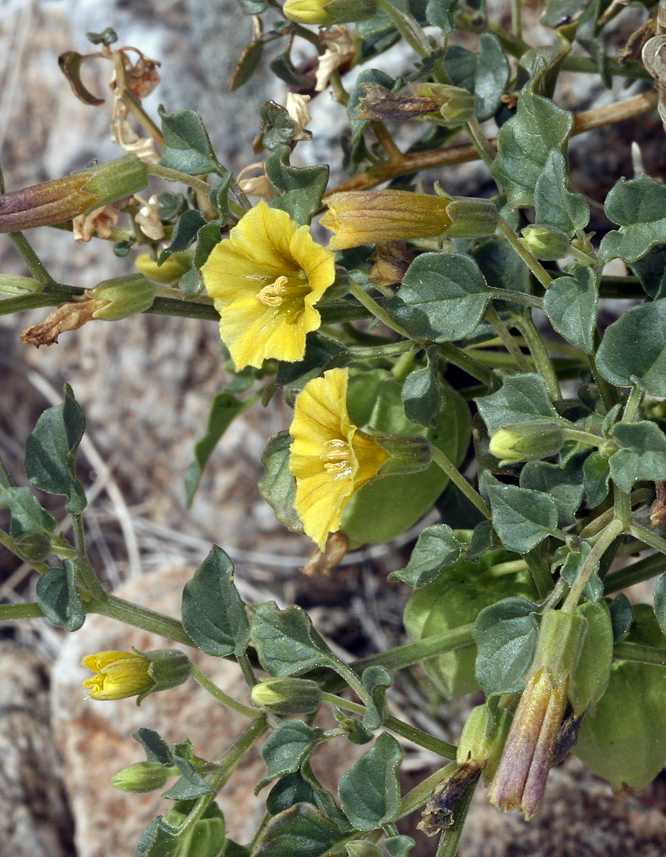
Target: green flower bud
{"x": 142, "y": 777}
{"x": 528, "y": 441}
{"x": 80, "y": 193}
{"x": 170, "y": 271}
{"x": 287, "y": 696}
{"x": 472, "y": 218}
{"x": 546, "y": 242}
{"x": 328, "y": 11}
{"x": 32, "y": 547}
{"x": 128, "y": 295}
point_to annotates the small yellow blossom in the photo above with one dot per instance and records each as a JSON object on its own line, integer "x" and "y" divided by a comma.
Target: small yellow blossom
{"x": 331, "y": 458}
{"x": 365, "y": 217}
{"x": 265, "y": 280}
{"x": 117, "y": 675}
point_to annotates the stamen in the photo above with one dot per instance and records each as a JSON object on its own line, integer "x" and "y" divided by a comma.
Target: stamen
{"x": 338, "y": 457}
{"x": 274, "y": 294}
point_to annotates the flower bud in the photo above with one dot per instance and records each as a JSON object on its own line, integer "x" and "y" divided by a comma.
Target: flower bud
{"x": 328, "y": 11}
{"x": 32, "y": 547}
{"x": 142, "y": 777}
{"x": 456, "y": 105}
{"x": 119, "y": 675}
{"x": 472, "y": 218}
{"x": 546, "y": 242}
{"x": 170, "y": 271}
{"x": 125, "y": 296}
{"x": 287, "y": 696}
{"x": 365, "y": 217}
{"x": 528, "y": 441}
{"x": 65, "y": 198}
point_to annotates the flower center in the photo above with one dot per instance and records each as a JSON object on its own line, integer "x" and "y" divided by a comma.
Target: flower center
{"x": 275, "y": 293}
{"x": 337, "y": 458}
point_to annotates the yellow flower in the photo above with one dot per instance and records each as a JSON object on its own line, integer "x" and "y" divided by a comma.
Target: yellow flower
{"x": 365, "y": 217}
{"x": 265, "y": 280}
{"x": 117, "y": 675}
{"x": 328, "y": 11}
{"x": 331, "y": 458}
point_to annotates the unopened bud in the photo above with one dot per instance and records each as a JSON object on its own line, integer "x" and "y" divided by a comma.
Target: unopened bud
{"x": 528, "y": 441}
{"x": 546, "y": 242}
{"x": 140, "y": 778}
{"x": 366, "y": 217}
{"x": 287, "y": 696}
{"x": 170, "y": 271}
{"x": 65, "y": 198}
{"x": 11, "y": 286}
{"x": 125, "y": 296}
{"x": 328, "y": 11}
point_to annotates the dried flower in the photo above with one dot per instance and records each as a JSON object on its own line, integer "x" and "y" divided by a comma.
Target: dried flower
{"x": 265, "y": 280}
{"x": 340, "y": 51}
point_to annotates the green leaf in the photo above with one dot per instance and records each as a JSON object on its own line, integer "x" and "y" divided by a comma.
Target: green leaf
{"x": 223, "y": 411}
{"x": 592, "y": 671}
{"x": 554, "y": 204}
{"x": 362, "y": 848}
{"x": 213, "y": 613}
{"x": 491, "y": 76}
{"x": 422, "y": 393}
{"x": 189, "y": 785}
{"x": 159, "y": 839}
{"x": 371, "y": 75}
{"x": 299, "y": 189}
{"x": 443, "y": 297}
{"x": 556, "y": 12}
{"x": 564, "y": 483}
{"x": 278, "y": 486}
{"x": 58, "y": 598}
{"x": 286, "y": 750}
{"x": 157, "y": 749}
{"x": 521, "y": 398}
{"x": 638, "y": 207}
{"x": 522, "y": 518}
{"x": 633, "y": 350}
{"x": 27, "y": 514}
{"x": 285, "y": 640}
{"x": 370, "y": 791}
{"x": 524, "y": 144}
{"x": 596, "y": 475}
{"x": 594, "y": 588}
{"x": 283, "y": 67}
{"x": 301, "y": 830}
{"x": 50, "y": 452}
{"x": 643, "y": 454}
{"x": 502, "y": 266}
{"x": 399, "y": 846}
{"x": 621, "y": 616}
{"x": 506, "y": 636}
{"x": 184, "y": 233}
{"x": 247, "y": 64}
{"x": 438, "y": 13}
{"x": 571, "y": 305}
{"x": 651, "y": 271}
{"x": 187, "y": 146}
{"x": 436, "y": 548}
{"x": 287, "y": 791}
{"x": 320, "y": 351}
{"x": 376, "y": 680}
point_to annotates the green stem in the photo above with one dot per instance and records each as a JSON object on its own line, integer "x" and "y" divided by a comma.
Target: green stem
{"x": 413, "y": 653}
{"x": 633, "y": 403}
{"x": 448, "y": 843}
{"x": 639, "y": 654}
{"x": 482, "y": 144}
{"x": 531, "y": 301}
{"x": 512, "y": 566}
{"x": 612, "y": 531}
{"x": 408, "y": 28}
{"x": 459, "y": 481}
{"x": 378, "y": 311}
{"x": 20, "y": 611}
{"x": 221, "y": 696}
{"x": 176, "y": 176}
{"x": 517, "y": 18}
{"x": 539, "y": 352}
{"x": 540, "y": 573}
{"x": 422, "y": 793}
{"x": 463, "y": 360}
{"x": 31, "y": 259}
{"x": 579, "y": 436}
{"x": 399, "y": 347}
{"x": 528, "y": 258}
{"x": 403, "y": 365}
{"x": 83, "y": 566}
{"x": 608, "y": 393}
{"x": 647, "y": 537}
{"x": 644, "y": 569}
{"x": 140, "y": 617}
{"x": 507, "y": 340}
{"x": 248, "y": 672}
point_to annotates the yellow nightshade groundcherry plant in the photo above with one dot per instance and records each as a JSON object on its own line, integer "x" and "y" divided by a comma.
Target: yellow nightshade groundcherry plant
{"x": 510, "y": 466}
